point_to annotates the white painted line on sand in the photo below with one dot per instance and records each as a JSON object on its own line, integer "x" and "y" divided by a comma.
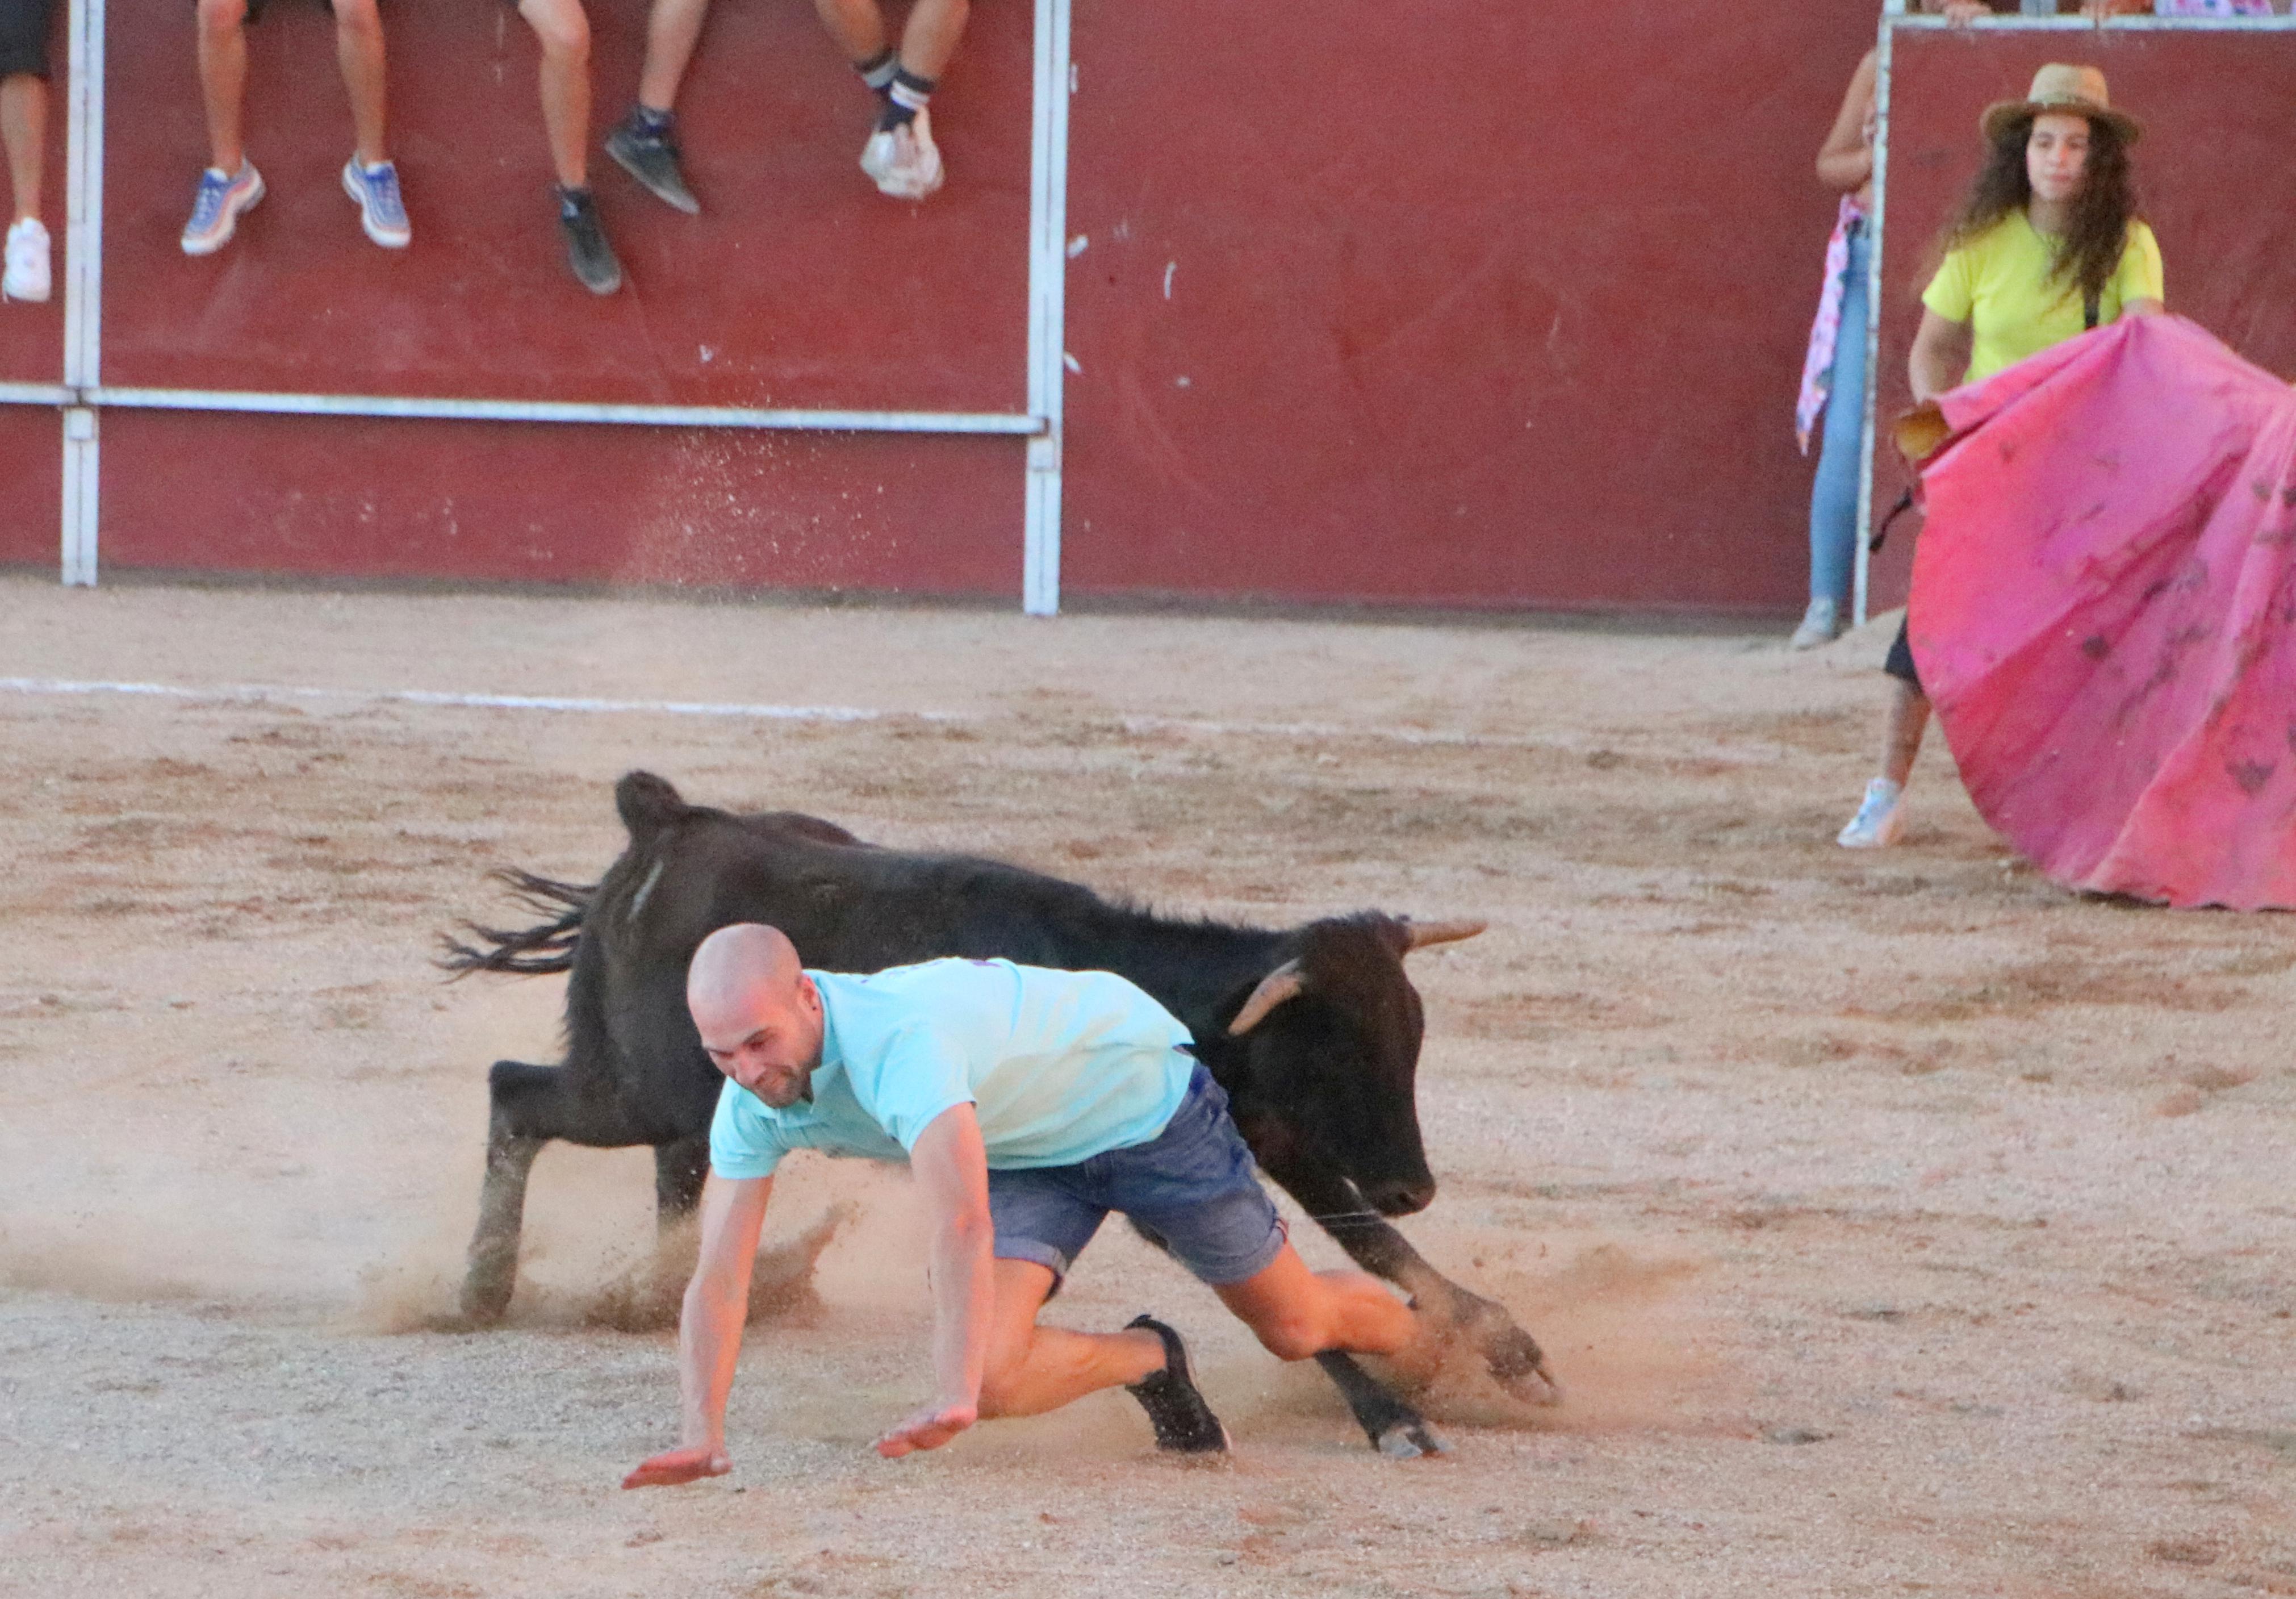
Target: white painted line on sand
{"x": 278, "y": 693}
{"x": 267, "y": 693}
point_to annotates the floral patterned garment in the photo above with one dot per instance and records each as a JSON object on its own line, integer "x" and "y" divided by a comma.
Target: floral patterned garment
{"x": 1825, "y": 333}
{"x": 2212, "y": 8}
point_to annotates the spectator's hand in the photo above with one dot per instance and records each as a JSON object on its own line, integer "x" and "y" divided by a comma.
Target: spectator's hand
{"x": 1959, "y": 14}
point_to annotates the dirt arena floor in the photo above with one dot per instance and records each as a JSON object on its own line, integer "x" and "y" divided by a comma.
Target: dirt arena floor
{"x": 1900, "y": 1224}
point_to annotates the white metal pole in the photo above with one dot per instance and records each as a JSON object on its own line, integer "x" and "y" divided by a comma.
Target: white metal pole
{"x": 83, "y": 289}
{"x": 1048, "y": 224}
{"x": 1861, "y": 557}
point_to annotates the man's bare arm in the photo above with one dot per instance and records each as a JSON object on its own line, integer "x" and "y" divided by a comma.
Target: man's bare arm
{"x": 952, "y": 1169}
{"x": 709, "y": 1331}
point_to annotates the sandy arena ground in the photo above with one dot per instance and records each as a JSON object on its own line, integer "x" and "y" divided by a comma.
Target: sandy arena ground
{"x": 1901, "y": 1224}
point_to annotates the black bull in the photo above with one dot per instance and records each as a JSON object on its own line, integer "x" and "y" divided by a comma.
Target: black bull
{"x": 1313, "y": 1031}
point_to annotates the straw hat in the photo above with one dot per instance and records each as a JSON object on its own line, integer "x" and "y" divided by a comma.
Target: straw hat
{"x": 2073, "y": 91}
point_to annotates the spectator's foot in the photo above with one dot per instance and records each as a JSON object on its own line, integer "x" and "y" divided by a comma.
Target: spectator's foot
{"x": 902, "y": 161}
{"x": 1185, "y": 1424}
{"x": 650, "y": 155}
{"x": 1821, "y": 624}
{"x": 215, "y": 208}
{"x": 1880, "y": 817}
{"x": 586, "y": 249}
{"x": 382, "y": 212}
{"x": 26, "y": 276}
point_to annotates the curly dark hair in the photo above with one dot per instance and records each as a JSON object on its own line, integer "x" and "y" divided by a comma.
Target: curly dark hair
{"x": 2098, "y": 230}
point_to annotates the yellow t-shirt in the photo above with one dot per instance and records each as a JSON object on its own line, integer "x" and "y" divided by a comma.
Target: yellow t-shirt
{"x": 1999, "y": 283}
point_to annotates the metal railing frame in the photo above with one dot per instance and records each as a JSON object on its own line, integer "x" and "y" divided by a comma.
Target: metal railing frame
{"x": 1895, "y": 18}
{"x": 83, "y": 397}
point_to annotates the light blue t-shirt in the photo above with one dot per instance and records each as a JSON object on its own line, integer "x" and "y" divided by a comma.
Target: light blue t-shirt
{"x": 1059, "y": 1067}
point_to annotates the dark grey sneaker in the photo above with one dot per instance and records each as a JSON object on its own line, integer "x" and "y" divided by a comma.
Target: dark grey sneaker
{"x": 1185, "y": 1424}
{"x": 586, "y": 249}
{"x": 651, "y": 158}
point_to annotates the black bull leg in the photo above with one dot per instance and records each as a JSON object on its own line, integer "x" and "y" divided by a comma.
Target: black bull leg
{"x": 1512, "y": 1354}
{"x": 531, "y": 1106}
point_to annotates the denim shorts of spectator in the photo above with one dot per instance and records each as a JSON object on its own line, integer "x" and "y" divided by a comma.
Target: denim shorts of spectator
{"x": 1194, "y": 1185}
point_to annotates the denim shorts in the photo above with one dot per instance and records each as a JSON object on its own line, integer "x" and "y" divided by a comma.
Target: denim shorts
{"x": 1193, "y": 1186}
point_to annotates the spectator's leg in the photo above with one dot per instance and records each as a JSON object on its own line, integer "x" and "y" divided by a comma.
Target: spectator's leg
{"x": 673, "y": 31}
{"x": 563, "y": 31}
{"x": 223, "y": 79}
{"x": 931, "y": 37}
{"x": 857, "y": 26}
{"x": 359, "y": 50}
{"x": 24, "y": 129}
{"x": 1909, "y": 717}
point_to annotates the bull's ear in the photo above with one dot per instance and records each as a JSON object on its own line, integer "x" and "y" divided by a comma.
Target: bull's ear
{"x": 1283, "y": 983}
{"x": 1423, "y": 933}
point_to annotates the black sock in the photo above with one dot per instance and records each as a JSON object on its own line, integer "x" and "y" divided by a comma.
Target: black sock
{"x": 652, "y": 123}
{"x": 904, "y": 99}
{"x": 573, "y": 199}
{"x": 878, "y": 70}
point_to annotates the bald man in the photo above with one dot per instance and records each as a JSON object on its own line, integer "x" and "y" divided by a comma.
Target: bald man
{"x": 1031, "y": 1103}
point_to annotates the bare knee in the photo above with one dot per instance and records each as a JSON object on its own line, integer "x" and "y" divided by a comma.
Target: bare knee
{"x": 219, "y": 17}
{"x": 999, "y": 1384}
{"x": 1291, "y": 1334}
{"x": 561, "y": 26}
{"x": 358, "y": 20}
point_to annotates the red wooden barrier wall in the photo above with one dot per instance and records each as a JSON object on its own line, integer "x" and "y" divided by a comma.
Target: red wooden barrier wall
{"x": 1494, "y": 305}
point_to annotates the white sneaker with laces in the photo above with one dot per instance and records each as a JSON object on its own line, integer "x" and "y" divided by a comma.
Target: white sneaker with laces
{"x": 1880, "y": 817}
{"x": 26, "y": 274}
{"x": 1821, "y": 624}
{"x": 904, "y": 162}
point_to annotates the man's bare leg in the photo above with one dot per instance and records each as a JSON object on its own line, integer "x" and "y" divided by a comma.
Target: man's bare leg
{"x": 223, "y": 79}
{"x": 1298, "y": 1314}
{"x": 1032, "y": 1369}
{"x": 673, "y": 31}
{"x": 359, "y": 52}
{"x": 857, "y": 26}
{"x": 24, "y": 129}
{"x": 1909, "y": 716}
{"x": 563, "y": 31}
{"x": 930, "y": 37}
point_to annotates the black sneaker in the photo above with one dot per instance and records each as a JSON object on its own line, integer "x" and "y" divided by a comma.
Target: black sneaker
{"x": 1185, "y": 1424}
{"x": 651, "y": 157}
{"x": 586, "y": 249}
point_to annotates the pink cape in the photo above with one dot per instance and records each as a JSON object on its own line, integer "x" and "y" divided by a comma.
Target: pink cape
{"x": 2104, "y": 614}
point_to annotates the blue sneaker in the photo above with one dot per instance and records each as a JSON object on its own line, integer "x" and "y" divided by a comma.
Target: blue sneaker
{"x": 215, "y": 208}
{"x": 382, "y": 212}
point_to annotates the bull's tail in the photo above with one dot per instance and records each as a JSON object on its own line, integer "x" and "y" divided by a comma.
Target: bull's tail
{"x": 548, "y": 946}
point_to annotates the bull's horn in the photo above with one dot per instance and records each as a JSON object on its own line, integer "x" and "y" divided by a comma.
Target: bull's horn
{"x": 1283, "y": 983}
{"x": 1423, "y": 933}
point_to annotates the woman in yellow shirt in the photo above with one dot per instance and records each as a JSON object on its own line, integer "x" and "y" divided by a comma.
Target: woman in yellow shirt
{"x": 2047, "y": 245}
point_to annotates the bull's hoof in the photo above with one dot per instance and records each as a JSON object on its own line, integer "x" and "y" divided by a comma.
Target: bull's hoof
{"x": 1519, "y": 1365}
{"x": 1410, "y": 1439}
{"x": 487, "y": 1291}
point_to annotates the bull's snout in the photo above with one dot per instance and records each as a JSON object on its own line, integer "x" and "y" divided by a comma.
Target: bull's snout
{"x": 1400, "y": 1196}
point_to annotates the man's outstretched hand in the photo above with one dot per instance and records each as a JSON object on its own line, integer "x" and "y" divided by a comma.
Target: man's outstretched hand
{"x": 674, "y": 1466}
{"x": 927, "y": 1428}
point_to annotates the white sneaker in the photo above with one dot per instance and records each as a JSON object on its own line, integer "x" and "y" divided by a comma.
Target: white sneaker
{"x": 1821, "y": 624}
{"x": 904, "y": 162}
{"x": 1880, "y": 817}
{"x": 26, "y": 276}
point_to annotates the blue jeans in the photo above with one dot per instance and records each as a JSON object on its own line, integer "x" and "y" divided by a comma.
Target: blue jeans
{"x": 1195, "y": 1185}
{"x": 1833, "y": 497}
